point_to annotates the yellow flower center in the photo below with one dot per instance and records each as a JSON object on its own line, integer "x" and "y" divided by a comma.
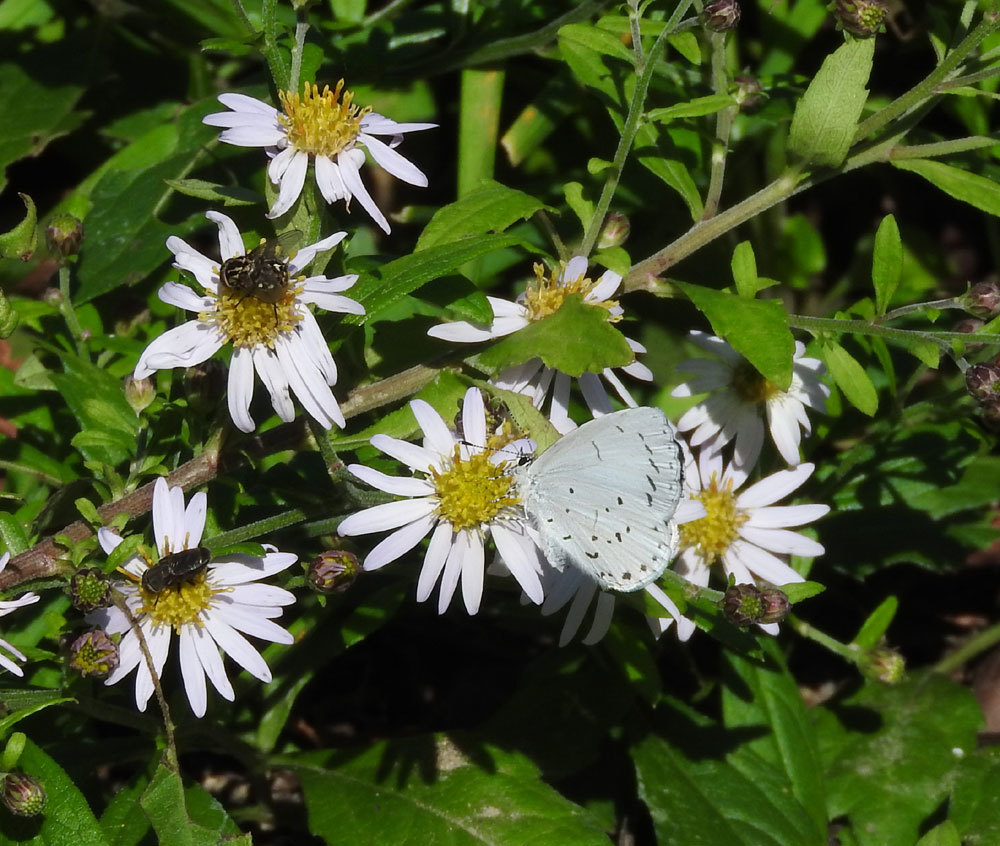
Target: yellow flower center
{"x": 180, "y": 604}
{"x": 321, "y": 124}
{"x": 714, "y": 533}
{"x": 473, "y": 491}
{"x": 751, "y": 386}
{"x": 546, "y": 294}
{"x": 251, "y": 322}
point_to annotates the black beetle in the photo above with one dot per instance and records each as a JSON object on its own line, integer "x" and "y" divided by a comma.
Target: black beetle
{"x": 174, "y": 569}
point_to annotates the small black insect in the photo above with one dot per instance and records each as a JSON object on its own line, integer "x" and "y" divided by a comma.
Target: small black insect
{"x": 175, "y": 569}
{"x": 263, "y": 272}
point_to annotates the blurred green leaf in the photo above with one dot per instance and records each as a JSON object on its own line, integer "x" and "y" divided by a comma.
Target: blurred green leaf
{"x": 889, "y": 778}
{"x": 575, "y": 339}
{"x": 744, "y": 267}
{"x": 698, "y": 107}
{"x": 490, "y": 207}
{"x": 978, "y": 191}
{"x": 887, "y": 262}
{"x": 20, "y": 241}
{"x": 225, "y": 195}
{"x": 538, "y": 120}
{"x": 479, "y": 122}
{"x": 756, "y": 329}
{"x": 167, "y": 805}
{"x": 878, "y": 622}
{"x": 653, "y": 151}
{"x": 850, "y": 377}
{"x": 597, "y": 40}
{"x": 826, "y": 117}
{"x": 122, "y": 822}
{"x": 434, "y": 786}
{"x": 974, "y": 806}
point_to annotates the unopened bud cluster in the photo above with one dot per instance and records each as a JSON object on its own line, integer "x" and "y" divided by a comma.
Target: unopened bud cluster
{"x": 89, "y": 590}
{"x": 333, "y": 572}
{"x": 94, "y": 654}
{"x": 748, "y": 604}
{"x": 883, "y": 664}
{"x": 862, "y": 18}
{"x": 720, "y": 15}
{"x": 982, "y": 300}
{"x": 982, "y": 381}
{"x": 63, "y": 235}
{"x": 22, "y": 794}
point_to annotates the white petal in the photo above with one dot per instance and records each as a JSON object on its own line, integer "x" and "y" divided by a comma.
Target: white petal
{"x": 305, "y": 256}
{"x": 272, "y": 374}
{"x": 268, "y": 597}
{"x": 252, "y": 622}
{"x": 605, "y": 287}
{"x": 349, "y": 172}
{"x": 241, "y": 389}
{"x": 575, "y": 268}
{"x": 307, "y": 381}
{"x": 399, "y": 542}
{"x": 761, "y": 563}
{"x": 212, "y": 664}
{"x": 474, "y": 418}
{"x": 574, "y": 617}
{"x": 785, "y": 432}
{"x": 238, "y": 648}
{"x": 473, "y": 567}
{"x": 603, "y": 614}
{"x": 413, "y": 456}
{"x": 245, "y": 103}
{"x": 782, "y": 516}
{"x": 317, "y": 349}
{"x": 381, "y": 125}
{"x": 168, "y": 525}
{"x": 782, "y": 541}
{"x": 461, "y": 332}
{"x": 452, "y": 570}
{"x": 437, "y": 436}
{"x": 328, "y": 179}
{"x": 108, "y": 540}
{"x": 389, "y": 515}
{"x": 398, "y": 485}
{"x": 175, "y": 294}
{"x": 192, "y": 672}
{"x": 522, "y": 558}
{"x": 252, "y": 136}
{"x": 292, "y": 181}
{"x": 230, "y": 241}
{"x": 393, "y": 162}
{"x": 194, "y": 520}
{"x": 189, "y": 344}
{"x": 594, "y": 395}
{"x": 774, "y": 487}
{"x": 437, "y": 554}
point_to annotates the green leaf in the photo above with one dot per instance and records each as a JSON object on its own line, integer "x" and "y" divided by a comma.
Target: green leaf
{"x": 526, "y": 417}
{"x": 490, "y": 207}
{"x": 698, "y": 107}
{"x": 767, "y": 697}
{"x": 850, "y": 377}
{"x": 877, "y": 624}
{"x": 699, "y": 799}
{"x": 20, "y": 241}
{"x": 744, "y": 266}
{"x": 11, "y": 720}
{"x": 479, "y": 122}
{"x": 887, "y": 262}
{"x": 575, "y": 339}
{"x": 975, "y": 800}
{"x": 970, "y": 188}
{"x": 826, "y": 117}
{"x": 598, "y": 40}
{"x": 891, "y": 777}
{"x": 66, "y": 820}
{"x": 389, "y": 791}
{"x": 686, "y": 43}
{"x": 558, "y": 98}
{"x": 15, "y": 539}
{"x": 945, "y": 834}
{"x": 581, "y": 206}
{"x": 165, "y": 802}
{"x": 34, "y": 112}
{"x": 799, "y": 591}
{"x": 122, "y": 823}
{"x": 588, "y": 66}
{"x": 653, "y": 150}
{"x": 757, "y": 329}
{"x": 226, "y": 195}
{"x": 382, "y": 287}
{"x": 976, "y": 488}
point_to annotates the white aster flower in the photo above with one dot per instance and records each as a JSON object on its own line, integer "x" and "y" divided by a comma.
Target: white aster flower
{"x": 745, "y": 532}
{"x": 277, "y": 338}
{"x": 6, "y": 606}
{"x": 743, "y": 399}
{"x": 465, "y": 491}
{"x": 207, "y": 611}
{"x": 542, "y": 298}
{"x": 326, "y": 127}
{"x": 572, "y": 584}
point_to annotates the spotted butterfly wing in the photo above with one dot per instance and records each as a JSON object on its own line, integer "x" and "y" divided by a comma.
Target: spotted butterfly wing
{"x": 603, "y": 496}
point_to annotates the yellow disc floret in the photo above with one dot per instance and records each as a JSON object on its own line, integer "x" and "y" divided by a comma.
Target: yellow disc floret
{"x": 250, "y": 322}
{"x": 751, "y": 386}
{"x": 546, "y": 294}
{"x": 321, "y": 123}
{"x": 180, "y": 604}
{"x": 473, "y": 491}
{"x": 714, "y": 533}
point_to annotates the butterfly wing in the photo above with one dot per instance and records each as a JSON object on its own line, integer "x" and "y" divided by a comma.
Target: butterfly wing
{"x": 602, "y": 498}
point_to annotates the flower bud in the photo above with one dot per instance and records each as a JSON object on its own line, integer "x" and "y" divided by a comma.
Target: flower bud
{"x": 746, "y": 604}
{"x": 22, "y": 794}
{"x": 990, "y": 411}
{"x": 720, "y": 15}
{"x": 139, "y": 393}
{"x": 89, "y": 590}
{"x": 982, "y": 300}
{"x": 883, "y": 664}
{"x": 64, "y": 235}
{"x": 983, "y": 381}
{"x": 8, "y": 317}
{"x": 615, "y": 231}
{"x": 749, "y": 92}
{"x": 333, "y": 571}
{"x": 862, "y": 18}
{"x": 94, "y": 653}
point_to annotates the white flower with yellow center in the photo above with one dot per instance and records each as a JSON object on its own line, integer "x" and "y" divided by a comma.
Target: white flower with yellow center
{"x": 745, "y": 533}
{"x": 543, "y": 297}
{"x": 464, "y": 491}
{"x": 207, "y": 611}
{"x": 323, "y": 126}
{"x": 6, "y": 607}
{"x": 276, "y": 336}
{"x": 572, "y": 586}
{"x": 741, "y": 400}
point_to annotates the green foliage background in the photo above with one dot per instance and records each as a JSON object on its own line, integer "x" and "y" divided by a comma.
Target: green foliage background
{"x": 863, "y": 183}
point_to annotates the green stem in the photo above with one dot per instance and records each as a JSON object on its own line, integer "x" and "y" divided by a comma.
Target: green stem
{"x": 863, "y": 327}
{"x": 272, "y": 53}
{"x": 970, "y": 78}
{"x": 948, "y": 302}
{"x": 546, "y": 223}
{"x": 45, "y": 478}
{"x": 241, "y": 13}
{"x": 629, "y": 130}
{"x": 257, "y": 529}
{"x": 69, "y": 314}
{"x": 943, "y": 148}
{"x": 974, "y": 646}
{"x": 928, "y": 85}
{"x": 385, "y": 12}
{"x": 723, "y": 126}
{"x": 848, "y": 651}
